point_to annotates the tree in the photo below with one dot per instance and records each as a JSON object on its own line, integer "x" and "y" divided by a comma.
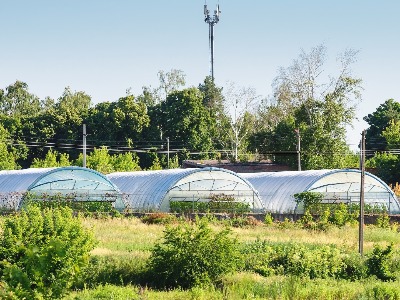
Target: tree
{"x": 99, "y": 160}
{"x": 213, "y": 101}
{"x": 52, "y": 159}
{"x": 168, "y": 82}
{"x": 378, "y": 121}
{"x": 184, "y": 119}
{"x": 7, "y": 156}
{"x": 18, "y": 102}
{"x": 392, "y": 134}
{"x": 126, "y": 162}
{"x": 118, "y": 121}
{"x": 239, "y": 107}
{"x": 320, "y": 110}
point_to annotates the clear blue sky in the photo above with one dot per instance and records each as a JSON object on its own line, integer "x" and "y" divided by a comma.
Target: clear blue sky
{"x": 104, "y": 47}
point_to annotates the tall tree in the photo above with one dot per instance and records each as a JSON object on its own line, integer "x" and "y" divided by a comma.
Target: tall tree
{"x": 17, "y": 101}
{"x": 118, "y": 121}
{"x": 239, "y": 104}
{"x": 8, "y": 158}
{"x": 185, "y": 120}
{"x": 321, "y": 110}
{"x": 378, "y": 121}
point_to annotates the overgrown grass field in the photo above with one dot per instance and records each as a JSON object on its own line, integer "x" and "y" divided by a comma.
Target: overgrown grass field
{"x": 50, "y": 254}
{"x": 125, "y": 244}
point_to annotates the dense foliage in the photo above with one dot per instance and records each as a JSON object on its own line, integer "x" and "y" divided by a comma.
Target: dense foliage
{"x": 218, "y": 203}
{"x": 42, "y": 252}
{"x": 193, "y": 255}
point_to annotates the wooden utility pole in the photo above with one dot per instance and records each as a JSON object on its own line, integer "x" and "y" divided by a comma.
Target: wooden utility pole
{"x": 298, "y": 149}
{"x": 84, "y": 146}
{"x": 361, "y": 222}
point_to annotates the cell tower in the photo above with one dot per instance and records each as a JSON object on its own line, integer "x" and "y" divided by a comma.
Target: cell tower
{"x": 211, "y": 21}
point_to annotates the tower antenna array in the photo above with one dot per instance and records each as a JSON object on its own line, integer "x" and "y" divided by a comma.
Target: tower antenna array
{"x": 211, "y": 21}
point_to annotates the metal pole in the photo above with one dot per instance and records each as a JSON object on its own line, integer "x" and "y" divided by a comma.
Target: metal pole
{"x": 211, "y": 21}
{"x": 212, "y": 50}
{"x": 84, "y": 146}
{"x": 361, "y": 223}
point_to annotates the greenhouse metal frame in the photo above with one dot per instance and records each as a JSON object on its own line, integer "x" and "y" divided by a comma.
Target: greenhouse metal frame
{"x": 277, "y": 189}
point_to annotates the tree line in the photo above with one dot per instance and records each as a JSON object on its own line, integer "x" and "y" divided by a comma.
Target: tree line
{"x": 202, "y": 122}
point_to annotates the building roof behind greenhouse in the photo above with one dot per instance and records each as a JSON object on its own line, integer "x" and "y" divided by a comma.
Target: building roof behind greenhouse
{"x": 153, "y": 190}
{"x": 62, "y": 180}
{"x": 277, "y": 189}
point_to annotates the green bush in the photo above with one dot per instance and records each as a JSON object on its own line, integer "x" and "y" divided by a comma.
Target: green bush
{"x": 42, "y": 252}
{"x": 268, "y": 220}
{"x": 193, "y": 255}
{"x": 266, "y": 258}
{"x": 383, "y": 221}
{"x": 70, "y": 200}
{"x": 379, "y": 263}
{"x": 218, "y": 203}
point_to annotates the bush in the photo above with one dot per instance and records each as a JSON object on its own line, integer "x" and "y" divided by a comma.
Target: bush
{"x": 268, "y": 220}
{"x": 266, "y": 258}
{"x": 193, "y": 255}
{"x": 379, "y": 263}
{"x": 159, "y": 218}
{"x": 245, "y": 221}
{"x": 41, "y": 253}
{"x": 218, "y": 203}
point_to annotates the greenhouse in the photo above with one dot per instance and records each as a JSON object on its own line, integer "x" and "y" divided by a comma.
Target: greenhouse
{"x": 79, "y": 184}
{"x": 276, "y": 189}
{"x": 156, "y": 190}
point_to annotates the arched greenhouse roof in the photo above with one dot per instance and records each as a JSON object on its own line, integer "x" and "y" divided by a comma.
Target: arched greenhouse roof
{"x": 153, "y": 190}
{"x": 63, "y": 180}
{"x": 276, "y": 189}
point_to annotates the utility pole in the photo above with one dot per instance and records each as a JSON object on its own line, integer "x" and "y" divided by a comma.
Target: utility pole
{"x": 297, "y": 130}
{"x": 211, "y": 21}
{"x": 361, "y": 221}
{"x": 84, "y": 146}
{"x": 167, "y": 152}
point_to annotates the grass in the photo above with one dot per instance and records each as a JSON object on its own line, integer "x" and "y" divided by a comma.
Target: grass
{"x": 124, "y": 245}
{"x": 131, "y": 237}
{"x": 252, "y": 286}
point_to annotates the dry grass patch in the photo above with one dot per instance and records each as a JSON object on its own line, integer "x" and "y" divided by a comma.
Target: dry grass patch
{"x": 127, "y": 235}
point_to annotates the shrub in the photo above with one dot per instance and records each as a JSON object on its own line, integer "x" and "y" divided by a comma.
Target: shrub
{"x": 220, "y": 203}
{"x": 159, "y": 218}
{"x": 41, "y": 253}
{"x": 383, "y": 221}
{"x": 245, "y": 221}
{"x": 269, "y": 220}
{"x": 266, "y": 258}
{"x": 192, "y": 255}
{"x": 43, "y": 200}
{"x": 379, "y": 264}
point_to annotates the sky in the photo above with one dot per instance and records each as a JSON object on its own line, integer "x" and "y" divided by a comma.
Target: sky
{"x": 105, "y": 47}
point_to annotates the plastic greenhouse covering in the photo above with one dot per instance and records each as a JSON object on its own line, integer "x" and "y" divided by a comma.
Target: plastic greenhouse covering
{"x": 153, "y": 190}
{"x": 84, "y": 184}
{"x": 276, "y": 189}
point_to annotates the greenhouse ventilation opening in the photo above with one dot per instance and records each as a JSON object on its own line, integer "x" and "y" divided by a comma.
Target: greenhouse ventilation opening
{"x": 80, "y": 183}
{"x": 276, "y": 189}
{"x": 155, "y": 190}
